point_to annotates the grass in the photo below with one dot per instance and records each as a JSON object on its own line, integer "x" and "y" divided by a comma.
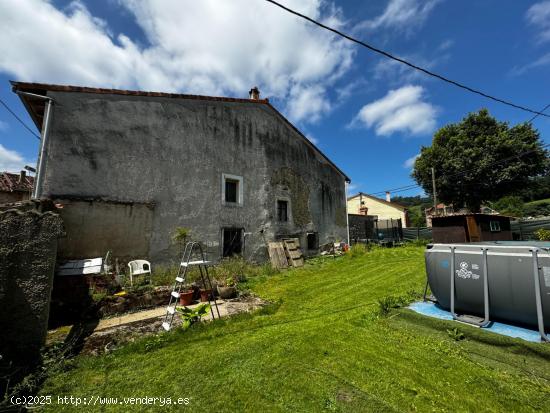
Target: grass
{"x": 538, "y": 202}
{"x": 331, "y": 341}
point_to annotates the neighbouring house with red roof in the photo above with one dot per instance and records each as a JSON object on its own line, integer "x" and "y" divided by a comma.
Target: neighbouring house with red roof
{"x": 15, "y": 187}
{"x": 127, "y": 168}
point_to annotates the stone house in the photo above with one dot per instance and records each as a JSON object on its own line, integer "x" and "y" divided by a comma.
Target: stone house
{"x": 126, "y": 168}
{"x": 364, "y": 204}
{"x": 15, "y": 187}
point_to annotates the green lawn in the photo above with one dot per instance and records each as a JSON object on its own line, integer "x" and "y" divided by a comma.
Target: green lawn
{"x": 323, "y": 346}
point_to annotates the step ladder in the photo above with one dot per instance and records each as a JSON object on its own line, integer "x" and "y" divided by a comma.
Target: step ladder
{"x": 466, "y": 318}
{"x": 191, "y": 249}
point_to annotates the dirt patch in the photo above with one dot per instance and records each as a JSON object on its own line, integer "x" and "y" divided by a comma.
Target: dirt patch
{"x": 130, "y": 328}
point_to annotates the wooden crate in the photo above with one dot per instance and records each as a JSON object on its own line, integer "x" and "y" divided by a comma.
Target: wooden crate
{"x": 277, "y": 255}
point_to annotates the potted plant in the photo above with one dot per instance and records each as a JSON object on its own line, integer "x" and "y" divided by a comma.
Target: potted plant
{"x": 206, "y": 294}
{"x": 186, "y": 296}
{"x": 228, "y": 288}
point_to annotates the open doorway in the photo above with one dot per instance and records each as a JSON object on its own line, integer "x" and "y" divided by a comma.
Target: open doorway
{"x": 232, "y": 241}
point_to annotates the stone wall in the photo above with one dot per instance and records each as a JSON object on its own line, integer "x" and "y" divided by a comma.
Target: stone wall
{"x": 94, "y": 226}
{"x": 28, "y": 248}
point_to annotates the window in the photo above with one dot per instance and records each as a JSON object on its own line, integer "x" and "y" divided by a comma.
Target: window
{"x": 495, "y": 226}
{"x": 232, "y": 241}
{"x": 232, "y": 189}
{"x": 312, "y": 241}
{"x": 282, "y": 211}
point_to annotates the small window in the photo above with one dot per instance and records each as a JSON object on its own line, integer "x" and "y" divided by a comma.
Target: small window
{"x": 312, "y": 241}
{"x": 282, "y": 211}
{"x": 232, "y": 189}
{"x": 495, "y": 226}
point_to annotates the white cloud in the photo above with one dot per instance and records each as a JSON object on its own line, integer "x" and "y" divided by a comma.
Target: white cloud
{"x": 409, "y": 163}
{"x": 538, "y": 15}
{"x": 403, "y": 15}
{"x": 544, "y": 60}
{"x": 401, "y": 110}
{"x": 11, "y": 161}
{"x": 352, "y": 188}
{"x": 205, "y": 47}
{"x": 308, "y": 103}
{"x": 3, "y": 126}
{"x": 312, "y": 139}
{"x": 398, "y": 74}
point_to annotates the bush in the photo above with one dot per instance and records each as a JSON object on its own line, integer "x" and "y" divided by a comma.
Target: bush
{"x": 543, "y": 234}
{"x": 358, "y": 250}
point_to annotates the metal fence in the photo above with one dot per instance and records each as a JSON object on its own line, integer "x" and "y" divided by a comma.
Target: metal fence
{"x": 365, "y": 228}
{"x": 416, "y": 233}
{"x": 524, "y": 230}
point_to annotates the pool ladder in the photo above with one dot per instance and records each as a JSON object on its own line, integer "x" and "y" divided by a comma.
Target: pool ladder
{"x": 180, "y": 281}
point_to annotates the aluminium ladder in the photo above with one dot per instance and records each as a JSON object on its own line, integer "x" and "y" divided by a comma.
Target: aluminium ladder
{"x": 186, "y": 262}
{"x": 466, "y": 318}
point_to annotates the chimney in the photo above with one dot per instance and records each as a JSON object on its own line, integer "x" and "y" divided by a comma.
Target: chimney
{"x": 388, "y": 196}
{"x": 22, "y": 177}
{"x": 254, "y": 93}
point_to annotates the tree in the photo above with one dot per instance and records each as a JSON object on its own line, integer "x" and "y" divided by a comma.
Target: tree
{"x": 509, "y": 205}
{"x": 480, "y": 159}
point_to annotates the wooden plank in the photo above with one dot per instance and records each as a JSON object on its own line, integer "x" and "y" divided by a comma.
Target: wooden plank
{"x": 277, "y": 255}
{"x": 473, "y": 230}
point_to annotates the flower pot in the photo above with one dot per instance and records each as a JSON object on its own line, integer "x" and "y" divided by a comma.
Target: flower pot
{"x": 227, "y": 292}
{"x": 186, "y": 297}
{"x": 205, "y": 295}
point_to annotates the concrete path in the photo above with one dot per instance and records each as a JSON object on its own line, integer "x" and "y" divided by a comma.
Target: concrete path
{"x": 157, "y": 312}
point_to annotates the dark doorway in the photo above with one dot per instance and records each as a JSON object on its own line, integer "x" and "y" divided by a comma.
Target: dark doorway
{"x": 312, "y": 241}
{"x": 232, "y": 241}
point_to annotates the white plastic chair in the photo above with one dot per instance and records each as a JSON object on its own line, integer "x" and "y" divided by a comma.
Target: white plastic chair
{"x": 139, "y": 267}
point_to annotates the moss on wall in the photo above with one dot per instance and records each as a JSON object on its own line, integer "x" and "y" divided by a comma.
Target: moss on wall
{"x": 341, "y": 217}
{"x": 299, "y": 194}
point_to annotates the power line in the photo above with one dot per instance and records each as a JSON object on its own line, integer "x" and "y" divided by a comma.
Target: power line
{"x": 405, "y": 62}
{"x": 19, "y": 119}
{"x": 535, "y": 116}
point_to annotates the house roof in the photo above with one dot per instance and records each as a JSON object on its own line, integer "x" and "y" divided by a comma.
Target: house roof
{"x": 471, "y": 214}
{"x": 393, "y": 204}
{"x": 10, "y": 183}
{"x": 36, "y": 106}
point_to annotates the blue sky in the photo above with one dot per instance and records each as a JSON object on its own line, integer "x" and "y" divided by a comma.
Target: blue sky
{"x": 366, "y": 113}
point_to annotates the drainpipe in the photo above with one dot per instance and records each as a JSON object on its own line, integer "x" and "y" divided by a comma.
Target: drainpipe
{"x": 37, "y": 190}
{"x": 346, "y": 201}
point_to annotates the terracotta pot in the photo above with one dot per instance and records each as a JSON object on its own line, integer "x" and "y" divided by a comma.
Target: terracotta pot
{"x": 227, "y": 292}
{"x": 186, "y": 297}
{"x": 205, "y": 295}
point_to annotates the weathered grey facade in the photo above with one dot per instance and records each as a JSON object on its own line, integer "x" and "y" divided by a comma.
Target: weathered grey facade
{"x": 178, "y": 155}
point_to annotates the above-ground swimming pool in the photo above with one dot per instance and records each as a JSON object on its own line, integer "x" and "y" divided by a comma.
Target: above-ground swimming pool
{"x": 500, "y": 280}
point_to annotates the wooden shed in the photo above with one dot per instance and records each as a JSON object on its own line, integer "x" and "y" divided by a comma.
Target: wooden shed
{"x": 471, "y": 228}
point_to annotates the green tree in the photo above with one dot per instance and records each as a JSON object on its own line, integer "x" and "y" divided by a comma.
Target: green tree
{"x": 509, "y": 205}
{"x": 465, "y": 154}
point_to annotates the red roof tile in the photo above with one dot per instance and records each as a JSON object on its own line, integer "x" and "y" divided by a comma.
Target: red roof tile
{"x": 10, "y": 182}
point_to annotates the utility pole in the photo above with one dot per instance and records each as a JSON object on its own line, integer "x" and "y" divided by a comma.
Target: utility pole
{"x": 434, "y": 191}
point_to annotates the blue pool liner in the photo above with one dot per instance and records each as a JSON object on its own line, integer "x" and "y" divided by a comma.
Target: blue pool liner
{"x": 433, "y": 310}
